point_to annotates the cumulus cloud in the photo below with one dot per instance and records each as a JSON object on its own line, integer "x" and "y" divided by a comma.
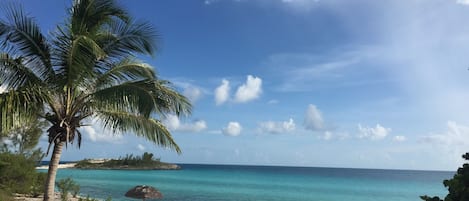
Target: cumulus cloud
{"x": 222, "y": 92}
{"x": 376, "y": 133}
{"x": 313, "y": 119}
{"x": 140, "y": 147}
{"x": 173, "y": 123}
{"x": 250, "y": 90}
{"x": 192, "y": 93}
{"x": 232, "y": 129}
{"x": 96, "y": 133}
{"x": 277, "y": 127}
{"x": 399, "y": 138}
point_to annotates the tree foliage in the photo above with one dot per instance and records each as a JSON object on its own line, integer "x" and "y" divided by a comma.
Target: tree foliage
{"x": 87, "y": 69}
{"x": 18, "y": 174}
{"x": 458, "y": 186}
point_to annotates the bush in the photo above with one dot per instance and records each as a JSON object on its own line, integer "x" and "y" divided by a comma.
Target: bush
{"x": 458, "y": 186}
{"x": 91, "y": 199}
{"x": 65, "y": 186}
{"x": 18, "y": 174}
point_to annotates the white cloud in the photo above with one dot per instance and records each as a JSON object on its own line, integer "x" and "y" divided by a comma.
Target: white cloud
{"x": 376, "y": 133}
{"x": 140, "y": 147}
{"x": 455, "y": 135}
{"x": 464, "y": 2}
{"x": 232, "y": 129}
{"x": 2, "y": 89}
{"x": 222, "y": 92}
{"x": 192, "y": 93}
{"x": 313, "y": 119}
{"x": 96, "y": 133}
{"x": 173, "y": 123}
{"x": 399, "y": 138}
{"x": 250, "y": 90}
{"x": 277, "y": 127}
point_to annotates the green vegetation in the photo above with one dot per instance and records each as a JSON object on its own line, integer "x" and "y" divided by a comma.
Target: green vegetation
{"x": 67, "y": 186}
{"x": 458, "y": 186}
{"x": 145, "y": 161}
{"x": 18, "y": 175}
{"x": 92, "y": 199}
{"x": 86, "y": 68}
{"x": 18, "y": 159}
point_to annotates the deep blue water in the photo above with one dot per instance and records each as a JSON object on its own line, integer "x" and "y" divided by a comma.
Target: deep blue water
{"x": 252, "y": 183}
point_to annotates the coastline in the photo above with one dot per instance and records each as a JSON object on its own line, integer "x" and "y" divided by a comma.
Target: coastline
{"x": 20, "y": 197}
{"x": 97, "y": 162}
{"x": 61, "y": 166}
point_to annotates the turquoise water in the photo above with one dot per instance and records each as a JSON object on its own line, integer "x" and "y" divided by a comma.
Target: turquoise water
{"x": 254, "y": 183}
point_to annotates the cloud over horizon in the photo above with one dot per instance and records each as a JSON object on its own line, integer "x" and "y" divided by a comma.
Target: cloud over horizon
{"x": 374, "y": 133}
{"x": 232, "y": 129}
{"x": 313, "y": 119}
{"x": 173, "y": 123}
{"x": 273, "y": 127}
{"x": 222, "y": 92}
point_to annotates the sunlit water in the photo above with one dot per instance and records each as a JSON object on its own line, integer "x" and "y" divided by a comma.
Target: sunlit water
{"x": 253, "y": 183}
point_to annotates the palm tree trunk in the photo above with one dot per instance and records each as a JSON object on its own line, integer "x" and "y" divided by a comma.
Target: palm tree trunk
{"x": 51, "y": 173}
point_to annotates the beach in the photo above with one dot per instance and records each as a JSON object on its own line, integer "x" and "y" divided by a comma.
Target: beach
{"x": 20, "y": 197}
{"x": 61, "y": 166}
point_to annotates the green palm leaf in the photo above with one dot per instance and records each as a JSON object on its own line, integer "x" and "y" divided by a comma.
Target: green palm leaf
{"x": 22, "y": 36}
{"x": 151, "y": 129}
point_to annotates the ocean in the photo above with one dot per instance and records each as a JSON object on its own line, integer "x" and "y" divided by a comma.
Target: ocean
{"x": 263, "y": 183}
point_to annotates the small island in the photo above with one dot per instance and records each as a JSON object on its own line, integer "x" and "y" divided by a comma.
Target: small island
{"x": 129, "y": 162}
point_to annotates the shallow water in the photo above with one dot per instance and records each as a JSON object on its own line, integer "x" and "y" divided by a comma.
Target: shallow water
{"x": 254, "y": 183}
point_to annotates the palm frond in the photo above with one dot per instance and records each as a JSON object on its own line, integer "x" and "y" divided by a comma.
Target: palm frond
{"x": 120, "y": 39}
{"x": 175, "y": 102}
{"x": 19, "y": 106}
{"x": 15, "y": 74}
{"x": 143, "y": 97}
{"x": 76, "y": 57}
{"x": 127, "y": 69}
{"x": 22, "y": 35}
{"x": 151, "y": 129}
{"x": 133, "y": 97}
{"x": 87, "y": 16}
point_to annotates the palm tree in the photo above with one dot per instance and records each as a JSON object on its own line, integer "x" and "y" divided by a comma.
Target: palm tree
{"x": 85, "y": 70}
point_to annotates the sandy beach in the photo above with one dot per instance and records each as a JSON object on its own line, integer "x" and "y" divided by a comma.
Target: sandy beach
{"x": 27, "y": 198}
{"x": 61, "y": 166}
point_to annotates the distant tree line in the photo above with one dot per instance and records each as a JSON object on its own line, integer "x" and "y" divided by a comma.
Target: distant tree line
{"x": 146, "y": 160}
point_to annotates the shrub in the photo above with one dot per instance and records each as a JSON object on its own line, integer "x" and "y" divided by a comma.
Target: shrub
{"x": 458, "y": 186}
{"x": 65, "y": 186}
{"x": 18, "y": 174}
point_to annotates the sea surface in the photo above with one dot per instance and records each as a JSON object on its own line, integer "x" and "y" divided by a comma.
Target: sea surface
{"x": 257, "y": 183}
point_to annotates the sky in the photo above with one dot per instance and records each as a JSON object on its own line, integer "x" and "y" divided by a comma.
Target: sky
{"x": 323, "y": 83}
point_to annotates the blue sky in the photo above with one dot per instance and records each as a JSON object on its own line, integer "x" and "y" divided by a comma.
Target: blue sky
{"x": 330, "y": 83}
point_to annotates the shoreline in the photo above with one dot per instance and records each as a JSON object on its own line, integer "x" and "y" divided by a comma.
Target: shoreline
{"x": 21, "y": 197}
{"x": 61, "y": 166}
